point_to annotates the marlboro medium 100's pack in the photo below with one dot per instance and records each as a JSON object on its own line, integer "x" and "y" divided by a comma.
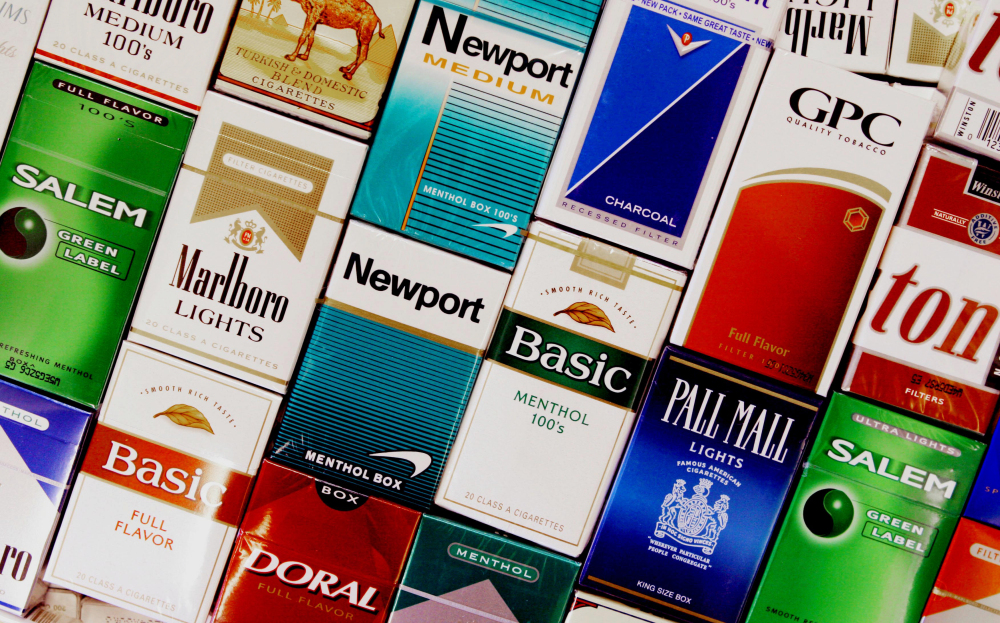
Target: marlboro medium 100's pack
{"x": 643, "y": 167}
{"x": 162, "y": 487}
{"x": 967, "y": 589}
{"x": 390, "y": 365}
{"x": 929, "y": 334}
{"x": 765, "y": 295}
{"x": 582, "y": 325}
{"x": 850, "y": 35}
{"x": 261, "y": 198}
{"x": 698, "y": 494}
{"x": 471, "y": 121}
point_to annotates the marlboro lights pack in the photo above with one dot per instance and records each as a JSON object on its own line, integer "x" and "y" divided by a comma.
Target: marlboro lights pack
{"x": 851, "y": 35}
{"x": 278, "y": 56}
{"x": 19, "y": 29}
{"x": 389, "y": 366}
{"x": 471, "y": 121}
{"x": 590, "y": 608}
{"x": 849, "y": 145}
{"x": 83, "y": 182}
{"x": 700, "y": 489}
{"x": 312, "y": 551}
{"x": 460, "y": 574}
{"x": 582, "y": 325}
{"x": 871, "y": 519}
{"x": 260, "y": 198}
{"x": 967, "y": 589}
{"x": 644, "y": 167}
{"x": 929, "y": 334}
{"x": 162, "y": 487}
{"x": 923, "y": 35}
{"x": 39, "y": 443}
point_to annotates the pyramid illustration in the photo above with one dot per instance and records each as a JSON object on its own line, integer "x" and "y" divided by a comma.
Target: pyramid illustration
{"x": 383, "y": 51}
{"x": 279, "y": 21}
{"x": 470, "y": 604}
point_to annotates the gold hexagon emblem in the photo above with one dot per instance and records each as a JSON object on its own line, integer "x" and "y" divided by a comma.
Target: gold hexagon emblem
{"x": 856, "y": 219}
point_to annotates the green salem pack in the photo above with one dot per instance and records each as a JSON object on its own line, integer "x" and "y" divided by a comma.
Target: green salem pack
{"x": 84, "y": 180}
{"x": 871, "y": 519}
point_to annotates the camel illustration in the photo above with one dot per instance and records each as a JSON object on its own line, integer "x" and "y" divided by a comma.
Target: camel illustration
{"x": 357, "y": 15}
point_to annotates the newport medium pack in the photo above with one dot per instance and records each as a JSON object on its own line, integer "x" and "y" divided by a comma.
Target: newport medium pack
{"x": 260, "y": 198}
{"x": 928, "y": 338}
{"x": 471, "y": 122}
{"x": 83, "y": 182}
{"x": 699, "y": 63}
{"x": 39, "y": 443}
{"x": 850, "y": 34}
{"x": 568, "y": 365}
{"x": 389, "y": 366}
{"x": 967, "y": 589}
{"x": 923, "y": 35}
{"x": 590, "y": 608}
{"x": 848, "y": 147}
{"x": 457, "y": 573}
{"x": 20, "y": 23}
{"x": 698, "y": 494}
{"x": 871, "y": 519}
{"x": 162, "y": 487}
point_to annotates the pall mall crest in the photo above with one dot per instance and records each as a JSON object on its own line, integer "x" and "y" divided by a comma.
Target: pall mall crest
{"x": 692, "y": 521}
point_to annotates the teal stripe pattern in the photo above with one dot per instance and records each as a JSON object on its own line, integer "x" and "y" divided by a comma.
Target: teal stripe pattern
{"x": 568, "y": 21}
{"x": 367, "y": 388}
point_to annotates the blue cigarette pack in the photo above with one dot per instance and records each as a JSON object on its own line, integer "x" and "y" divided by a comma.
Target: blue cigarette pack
{"x": 984, "y": 501}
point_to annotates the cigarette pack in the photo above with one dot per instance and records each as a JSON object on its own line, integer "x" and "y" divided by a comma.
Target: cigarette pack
{"x": 39, "y": 443}
{"x": 700, "y": 490}
{"x": 582, "y": 325}
{"x": 855, "y": 38}
{"x": 590, "y": 608}
{"x": 457, "y": 573}
{"x": 286, "y": 567}
{"x": 984, "y": 501}
{"x": 471, "y": 122}
{"x": 62, "y": 601}
{"x": 929, "y": 93}
{"x": 162, "y": 487}
{"x": 271, "y": 59}
{"x": 389, "y": 366}
{"x": 928, "y": 337}
{"x": 20, "y": 23}
{"x": 922, "y": 37}
{"x": 967, "y": 589}
{"x": 95, "y": 611}
{"x": 764, "y": 294}
{"x": 260, "y": 198}
{"x": 871, "y": 519}
{"x": 611, "y": 175}
{"x": 84, "y": 180}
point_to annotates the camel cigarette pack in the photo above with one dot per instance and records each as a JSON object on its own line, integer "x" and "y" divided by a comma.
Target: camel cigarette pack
{"x": 700, "y": 490}
{"x": 20, "y": 23}
{"x": 389, "y": 366}
{"x": 312, "y": 551}
{"x": 984, "y": 501}
{"x": 928, "y": 338}
{"x": 83, "y": 182}
{"x": 591, "y": 608}
{"x": 870, "y": 521}
{"x": 329, "y": 65}
{"x": 967, "y": 589}
{"x": 848, "y": 34}
{"x": 39, "y": 442}
{"x": 457, "y": 573}
{"x": 162, "y": 487}
{"x": 471, "y": 122}
{"x": 850, "y": 144}
{"x": 260, "y": 198}
{"x": 923, "y": 35}
{"x": 582, "y": 325}
{"x": 643, "y": 168}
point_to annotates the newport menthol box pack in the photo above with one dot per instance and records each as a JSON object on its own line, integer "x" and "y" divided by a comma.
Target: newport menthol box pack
{"x": 260, "y": 199}
{"x": 699, "y": 63}
{"x": 470, "y": 124}
{"x": 390, "y": 365}
{"x": 923, "y": 35}
{"x": 851, "y": 35}
{"x": 582, "y": 325}
{"x": 967, "y": 589}
{"x": 592, "y": 608}
{"x": 20, "y": 23}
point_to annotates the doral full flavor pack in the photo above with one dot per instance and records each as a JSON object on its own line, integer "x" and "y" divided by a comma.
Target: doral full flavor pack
{"x": 765, "y": 295}
{"x": 39, "y": 443}
{"x": 644, "y": 167}
{"x": 312, "y": 551}
{"x": 590, "y": 608}
{"x": 83, "y": 182}
{"x": 851, "y": 35}
{"x": 923, "y": 35}
{"x": 928, "y": 338}
{"x": 260, "y": 198}
{"x": 698, "y": 494}
{"x": 967, "y": 589}
{"x": 162, "y": 487}
{"x": 390, "y": 365}
{"x": 871, "y": 519}
{"x": 20, "y": 23}
{"x": 457, "y": 573}
{"x": 471, "y": 122}
{"x": 582, "y": 325}
{"x": 327, "y": 62}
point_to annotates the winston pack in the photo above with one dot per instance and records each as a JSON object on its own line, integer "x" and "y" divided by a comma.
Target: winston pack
{"x": 471, "y": 122}
{"x": 967, "y": 589}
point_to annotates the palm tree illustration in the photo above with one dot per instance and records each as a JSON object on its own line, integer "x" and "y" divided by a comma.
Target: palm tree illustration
{"x": 273, "y": 5}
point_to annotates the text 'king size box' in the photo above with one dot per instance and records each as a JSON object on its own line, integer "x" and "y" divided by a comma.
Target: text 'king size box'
{"x": 853, "y": 36}
{"x": 765, "y": 294}
{"x": 261, "y": 199}
{"x": 582, "y": 325}
{"x": 967, "y": 589}
{"x": 871, "y": 519}
{"x": 163, "y": 485}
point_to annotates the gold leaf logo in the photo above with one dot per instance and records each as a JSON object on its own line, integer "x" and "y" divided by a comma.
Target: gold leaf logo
{"x": 587, "y": 313}
{"x": 183, "y": 415}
